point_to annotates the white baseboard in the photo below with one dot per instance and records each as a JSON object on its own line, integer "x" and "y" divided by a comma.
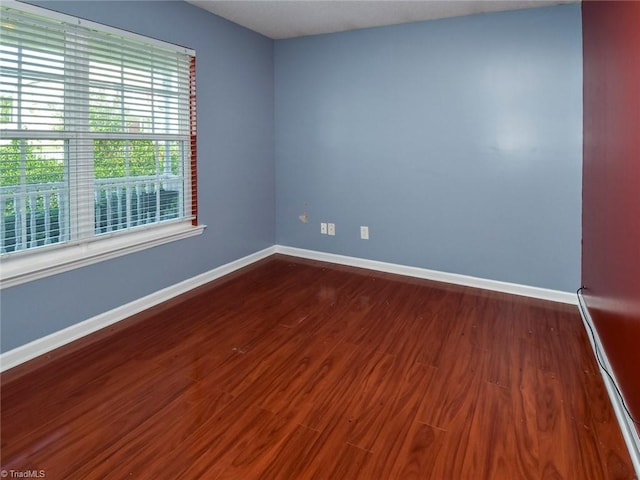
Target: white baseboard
{"x": 627, "y": 427}
{"x": 505, "y": 287}
{"x": 57, "y": 339}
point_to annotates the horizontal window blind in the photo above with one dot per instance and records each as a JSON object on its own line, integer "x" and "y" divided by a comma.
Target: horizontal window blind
{"x": 97, "y": 131}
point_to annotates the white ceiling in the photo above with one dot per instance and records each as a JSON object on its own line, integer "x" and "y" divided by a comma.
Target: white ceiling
{"x": 295, "y": 18}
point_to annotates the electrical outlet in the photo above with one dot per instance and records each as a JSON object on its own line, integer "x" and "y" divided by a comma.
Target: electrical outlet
{"x": 364, "y": 233}
{"x": 332, "y": 229}
{"x": 323, "y": 228}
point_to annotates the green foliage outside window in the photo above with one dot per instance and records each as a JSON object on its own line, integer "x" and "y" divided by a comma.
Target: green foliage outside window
{"x": 43, "y": 163}
{"x": 44, "y": 160}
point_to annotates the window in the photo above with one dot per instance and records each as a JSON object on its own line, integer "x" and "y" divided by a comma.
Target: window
{"x": 97, "y": 138}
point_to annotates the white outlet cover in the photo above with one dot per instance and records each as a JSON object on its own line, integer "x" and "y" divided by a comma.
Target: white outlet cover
{"x": 364, "y": 233}
{"x": 323, "y": 228}
{"x": 332, "y": 229}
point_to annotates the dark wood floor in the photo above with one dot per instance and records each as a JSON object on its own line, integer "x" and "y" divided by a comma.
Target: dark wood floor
{"x": 293, "y": 369}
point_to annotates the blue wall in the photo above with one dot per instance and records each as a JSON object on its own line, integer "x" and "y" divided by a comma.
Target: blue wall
{"x": 457, "y": 141}
{"x": 235, "y": 172}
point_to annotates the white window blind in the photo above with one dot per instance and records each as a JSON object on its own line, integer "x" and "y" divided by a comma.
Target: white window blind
{"x": 97, "y": 131}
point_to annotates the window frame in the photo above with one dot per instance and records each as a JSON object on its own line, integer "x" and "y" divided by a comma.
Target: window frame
{"x": 30, "y": 264}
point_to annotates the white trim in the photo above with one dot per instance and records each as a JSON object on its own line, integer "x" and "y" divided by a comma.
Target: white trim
{"x": 627, "y": 427}
{"x": 57, "y": 339}
{"x": 16, "y": 269}
{"x": 505, "y": 287}
{"x": 70, "y": 19}
{"x": 62, "y": 337}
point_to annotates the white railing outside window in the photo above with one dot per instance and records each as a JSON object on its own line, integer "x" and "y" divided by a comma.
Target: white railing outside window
{"x": 132, "y": 202}
{"x": 33, "y": 215}
{"x": 37, "y": 214}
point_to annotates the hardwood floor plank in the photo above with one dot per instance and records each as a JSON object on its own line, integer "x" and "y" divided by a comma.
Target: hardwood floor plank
{"x": 252, "y": 455}
{"x": 346, "y": 387}
{"x": 243, "y": 447}
{"x": 292, "y": 375}
{"x": 513, "y": 452}
{"x": 60, "y": 446}
{"x": 157, "y": 437}
{"x": 419, "y": 453}
{"x": 292, "y": 457}
{"x": 349, "y": 462}
{"x": 455, "y": 443}
{"x": 392, "y": 433}
{"x": 455, "y": 388}
{"x": 322, "y": 388}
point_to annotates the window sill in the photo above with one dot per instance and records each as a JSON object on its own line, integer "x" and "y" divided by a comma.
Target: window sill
{"x": 27, "y": 266}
